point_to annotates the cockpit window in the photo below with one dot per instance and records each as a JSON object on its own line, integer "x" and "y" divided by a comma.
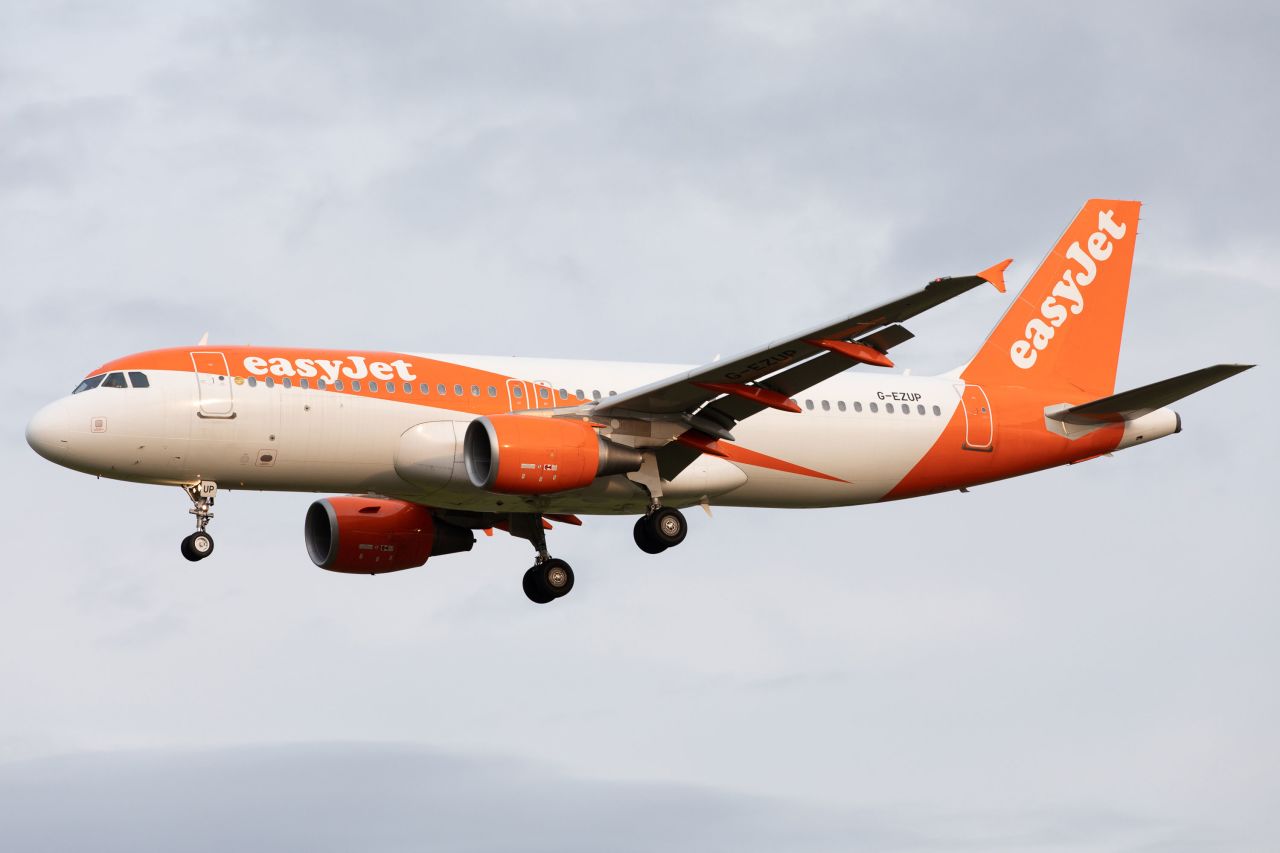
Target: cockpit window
{"x": 138, "y": 380}
{"x": 114, "y": 380}
{"x": 89, "y": 384}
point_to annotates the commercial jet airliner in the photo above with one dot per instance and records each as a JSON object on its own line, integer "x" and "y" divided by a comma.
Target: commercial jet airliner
{"x": 426, "y": 449}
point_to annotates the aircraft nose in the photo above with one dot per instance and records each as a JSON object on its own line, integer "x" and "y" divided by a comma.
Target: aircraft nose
{"x": 47, "y": 432}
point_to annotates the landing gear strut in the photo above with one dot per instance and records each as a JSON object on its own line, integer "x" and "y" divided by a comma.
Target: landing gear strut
{"x": 660, "y": 529}
{"x": 549, "y": 578}
{"x": 199, "y": 545}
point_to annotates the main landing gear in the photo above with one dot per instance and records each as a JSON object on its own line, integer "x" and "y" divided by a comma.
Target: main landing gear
{"x": 661, "y": 528}
{"x": 199, "y": 545}
{"x": 549, "y": 578}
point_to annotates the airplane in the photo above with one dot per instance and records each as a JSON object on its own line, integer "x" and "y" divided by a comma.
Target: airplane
{"x": 424, "y": 450}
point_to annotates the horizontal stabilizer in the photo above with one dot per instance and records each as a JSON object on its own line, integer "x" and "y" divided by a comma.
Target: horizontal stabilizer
{"x": 1128, "y": 405}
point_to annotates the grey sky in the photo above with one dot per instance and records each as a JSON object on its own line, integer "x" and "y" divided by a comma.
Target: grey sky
{"x": 1080, "y": 660}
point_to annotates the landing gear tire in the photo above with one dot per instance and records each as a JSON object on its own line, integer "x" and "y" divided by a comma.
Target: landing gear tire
{"x": 667, "y": 527}
{"x": 558, "y": 577}
{"x": 547, "y": 581}
{"x": 197, "y": 546}
{"x": 644, "y": 537}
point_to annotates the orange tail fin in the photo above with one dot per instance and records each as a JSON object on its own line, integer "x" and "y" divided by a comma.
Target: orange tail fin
{"x": 1063, "y": 330}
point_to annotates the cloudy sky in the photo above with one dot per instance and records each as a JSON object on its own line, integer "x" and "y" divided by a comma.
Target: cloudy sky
{"x": 1081, "y": 660}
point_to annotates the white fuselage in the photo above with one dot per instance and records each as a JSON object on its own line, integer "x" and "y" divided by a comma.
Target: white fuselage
{"x": 294, "y": 439}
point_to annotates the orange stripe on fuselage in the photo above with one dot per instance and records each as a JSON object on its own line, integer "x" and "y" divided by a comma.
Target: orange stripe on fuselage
{"x": 737, "y": 453}
{"x": 750, "y": 457}
{"x": 430, "y": 371}
{"x": 1022, "y": 444}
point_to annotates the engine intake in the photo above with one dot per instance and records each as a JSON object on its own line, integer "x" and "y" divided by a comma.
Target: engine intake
{"x": 369, "y": 536}
{"x": 529, "y": 455}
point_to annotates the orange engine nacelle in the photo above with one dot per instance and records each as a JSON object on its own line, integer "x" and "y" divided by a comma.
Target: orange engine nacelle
{"x": 527, "y": 455}
{"x": 368, "y": 536}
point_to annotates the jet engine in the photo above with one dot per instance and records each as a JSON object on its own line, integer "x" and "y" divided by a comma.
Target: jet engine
{"x": 528, "y": 455}
{"x": 369, "y": 536}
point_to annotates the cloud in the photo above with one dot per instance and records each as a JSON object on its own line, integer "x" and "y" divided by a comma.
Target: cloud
{"x": 1084, "y": 655}
{"x": 389, "y": 797}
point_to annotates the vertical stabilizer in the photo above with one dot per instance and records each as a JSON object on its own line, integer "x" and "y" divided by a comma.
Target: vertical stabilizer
{"x": 1062, "y": 332}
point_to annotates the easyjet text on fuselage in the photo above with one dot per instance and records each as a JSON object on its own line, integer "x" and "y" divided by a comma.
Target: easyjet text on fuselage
{"x": 330, "y": 369}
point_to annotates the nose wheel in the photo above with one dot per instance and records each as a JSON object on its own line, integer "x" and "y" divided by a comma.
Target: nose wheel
{"x": 199, "y": 545}
{"x": 661, "y": 529}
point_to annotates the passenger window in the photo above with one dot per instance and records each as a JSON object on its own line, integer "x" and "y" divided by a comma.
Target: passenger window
{"x": 937, "y": 411}
{"x": 89, "y": 384}
{"x": 906, "y": 410}
{"x": 919, "y": 410}
{"x": 475, "y": 390}
{"x": 517, "y": 392}
{"x": 826, "y": 405}
{"x": 304, "y": 384}
{"x": 425, "y": 389}
{"x": 857, "y": 407}
{"x": 373, "y": 386}
{"x": 408, "y": 387}
{"x": 888, "y": 407}
{"x": 595, "y": 395}
{"x": 253, "y": 381}
{"x": 337, "y": 385}
{"x": 138, "y": 380}
{"x": 840, "y": 405}
{"x": 355, "y": 384}
{"x": 442, "y": 389}
{"x": 808, "y": 404}
{"x": 270, "y": 382}
{"x": 564, "y": 393}
{"x": 321, "y": 384}
{"x": 874, "y": 408}
{"x": 544, "y": 393}
{"x": 581, "y": 395}
{"x": 493, "y": 392}
{"x": 114, "y": 380}
{"x": 613, "y": 393}
{"x": 457, "y": 390}
{"x": 286, "y": 383}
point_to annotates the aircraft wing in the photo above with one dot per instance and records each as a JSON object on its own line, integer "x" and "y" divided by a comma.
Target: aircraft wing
{"x": 767, "y": 376}
{"x": 713, "y": 398}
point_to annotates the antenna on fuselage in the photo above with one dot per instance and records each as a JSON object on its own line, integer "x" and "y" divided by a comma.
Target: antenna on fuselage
{"x": 204, "y": 340}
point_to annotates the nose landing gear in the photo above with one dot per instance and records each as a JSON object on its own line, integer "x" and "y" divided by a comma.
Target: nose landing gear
{"x": 199, "y": 545}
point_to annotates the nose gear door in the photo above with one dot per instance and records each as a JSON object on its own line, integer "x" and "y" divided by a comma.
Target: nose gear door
{"x": 214, "y": 384}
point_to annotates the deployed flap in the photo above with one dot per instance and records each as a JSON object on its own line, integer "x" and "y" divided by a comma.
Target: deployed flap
{"x": 1128, "y": 405}
{"x": 887, "y": 338}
